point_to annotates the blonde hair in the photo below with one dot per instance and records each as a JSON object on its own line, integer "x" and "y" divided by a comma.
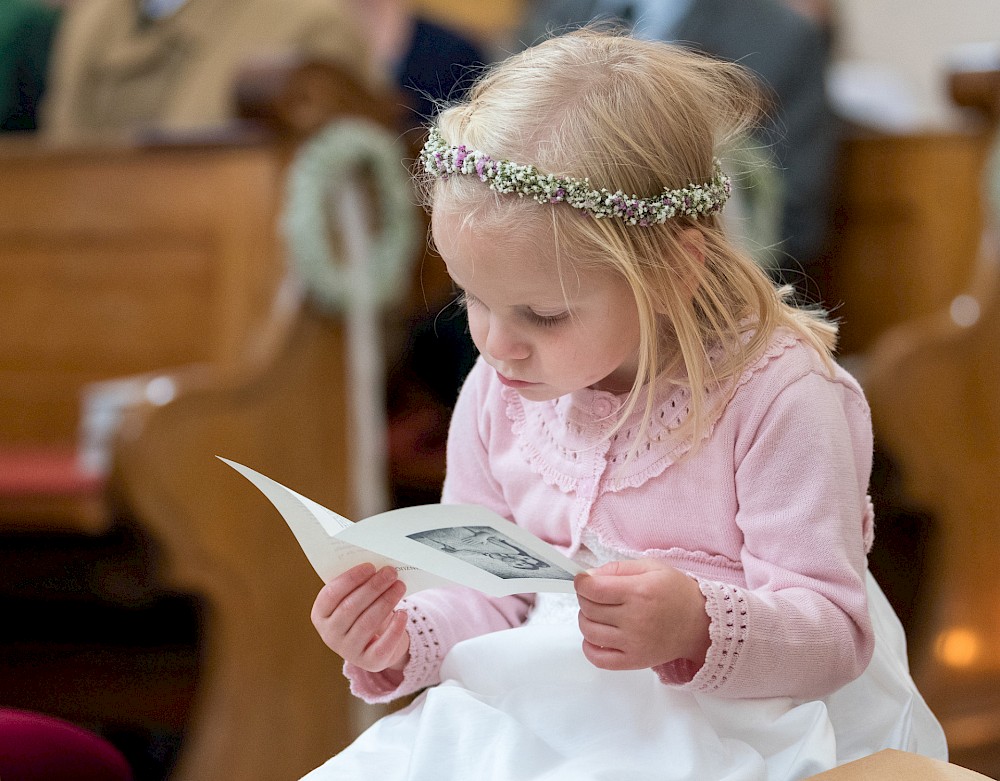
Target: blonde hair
{"x": 637, "y": 116}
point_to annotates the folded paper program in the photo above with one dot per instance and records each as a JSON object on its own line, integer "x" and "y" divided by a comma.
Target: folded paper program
{"x": 430, "y": 545}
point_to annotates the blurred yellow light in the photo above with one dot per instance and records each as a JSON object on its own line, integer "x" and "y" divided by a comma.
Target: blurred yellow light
{"x": 957, "y": 647}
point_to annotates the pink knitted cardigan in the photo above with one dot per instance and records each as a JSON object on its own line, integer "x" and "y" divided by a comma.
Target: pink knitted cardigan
{"x": 770, "y": 513}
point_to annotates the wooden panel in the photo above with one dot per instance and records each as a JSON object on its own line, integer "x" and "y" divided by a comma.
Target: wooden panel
{"x": 123, "y": 261}
{"x": 934, "y": 388}
{"x": 907, "y": 229}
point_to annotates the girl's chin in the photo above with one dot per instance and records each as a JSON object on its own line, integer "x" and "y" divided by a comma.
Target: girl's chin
{"x": 539, "y": 392}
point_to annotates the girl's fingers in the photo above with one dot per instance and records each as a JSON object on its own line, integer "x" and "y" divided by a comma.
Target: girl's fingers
{"x": 601, "y": 589}
{"x": 389, "y": 646}
{"x": 600, "y": 614}
{"x": 600, "y": 634}
{"x": 394, "y": 627}
{"x": 388, "y": 621}
{"x": 605, "y": 658}
{"x": 374, "y": 617}
{"x": 334, "y": 592}
{"x": 618, "y": 581}
{"x": 354, "y": 607}
{"x": 358, "y": 600}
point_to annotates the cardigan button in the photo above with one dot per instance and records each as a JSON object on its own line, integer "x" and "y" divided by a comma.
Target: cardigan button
{"x": 603, "y": 407}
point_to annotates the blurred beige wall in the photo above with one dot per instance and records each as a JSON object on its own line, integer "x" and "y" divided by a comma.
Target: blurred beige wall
{"x": 913, "y": 39}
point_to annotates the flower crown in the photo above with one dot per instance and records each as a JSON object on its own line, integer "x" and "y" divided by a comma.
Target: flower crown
{"x": 442, "y": 160}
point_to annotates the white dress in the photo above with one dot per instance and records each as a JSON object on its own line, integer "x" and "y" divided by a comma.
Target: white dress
{"x": 525, "y": 705}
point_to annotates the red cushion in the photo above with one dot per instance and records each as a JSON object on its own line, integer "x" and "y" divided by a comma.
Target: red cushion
{"x": 37, "y": 747}
{"x": 44, "y": 471}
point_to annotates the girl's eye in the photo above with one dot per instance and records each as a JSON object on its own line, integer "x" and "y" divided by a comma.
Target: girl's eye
{"x": 469, "y": 301}
{"x": 546, "y": 321}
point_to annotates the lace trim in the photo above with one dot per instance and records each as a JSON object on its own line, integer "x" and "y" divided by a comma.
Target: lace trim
{"x": 783, "y": 341}
{"x": 563, "y": 451}
{"x": 425, "y": 650}
{"x": 535, "y": 458}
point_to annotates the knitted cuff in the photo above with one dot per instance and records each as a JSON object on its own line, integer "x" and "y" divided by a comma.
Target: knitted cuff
{"x": 727, "y": 613}
{"x": 421, "y": 671}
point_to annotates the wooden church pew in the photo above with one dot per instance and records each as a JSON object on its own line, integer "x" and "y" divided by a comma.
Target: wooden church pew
{"x": 271, "y": 702}
{"x": 905, "y": 228}
{"x": 159, "y": 265}
{"x": 122, "y": 259}
{"x": 934, "y": 387}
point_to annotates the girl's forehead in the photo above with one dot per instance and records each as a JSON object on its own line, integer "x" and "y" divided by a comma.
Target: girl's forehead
{"x": 463, "y": 234}
{"x": 485, "y": 217}
{"x": 521, "y": 262}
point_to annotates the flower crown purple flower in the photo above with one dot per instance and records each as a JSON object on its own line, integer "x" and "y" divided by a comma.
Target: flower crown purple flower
{"x": 696, "y": 200}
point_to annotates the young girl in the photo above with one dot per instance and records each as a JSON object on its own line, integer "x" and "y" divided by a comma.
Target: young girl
{"x": 647, "y": 402}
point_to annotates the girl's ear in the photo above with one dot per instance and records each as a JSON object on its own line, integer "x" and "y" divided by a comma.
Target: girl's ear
{"x": 693, "y": 242}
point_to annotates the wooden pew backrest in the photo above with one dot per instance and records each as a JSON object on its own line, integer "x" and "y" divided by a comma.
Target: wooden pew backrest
{"x": 123, "y": 260}
{"x": 906, "y": 229}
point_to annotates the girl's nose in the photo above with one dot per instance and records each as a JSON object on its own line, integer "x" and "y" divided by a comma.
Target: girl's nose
{"x": 505, "y": 343}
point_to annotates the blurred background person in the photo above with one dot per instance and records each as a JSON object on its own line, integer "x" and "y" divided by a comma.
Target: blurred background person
{"x": 171, "y": 64}
{"x": 790, "y": 51}
{"x": 427, "y": 60}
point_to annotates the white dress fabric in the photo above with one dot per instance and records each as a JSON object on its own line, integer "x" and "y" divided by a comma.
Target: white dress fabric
{"x": 525, "y": 705}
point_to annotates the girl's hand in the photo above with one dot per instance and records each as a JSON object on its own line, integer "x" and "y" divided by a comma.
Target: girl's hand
{"x": 355, "y": 614}
{"x": 639, "y": 614}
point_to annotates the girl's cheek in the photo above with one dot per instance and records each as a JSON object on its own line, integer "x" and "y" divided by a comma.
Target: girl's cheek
{"x": 477, "y": 327}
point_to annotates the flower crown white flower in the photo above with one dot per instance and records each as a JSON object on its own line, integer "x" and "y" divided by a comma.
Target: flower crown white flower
{"x": 443, "y": 160}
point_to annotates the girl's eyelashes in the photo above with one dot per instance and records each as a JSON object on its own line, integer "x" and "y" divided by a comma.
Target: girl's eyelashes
{"x": 546, "y": 321}
{"x": 466, "y": 300}
{"x": 469, "y": 301}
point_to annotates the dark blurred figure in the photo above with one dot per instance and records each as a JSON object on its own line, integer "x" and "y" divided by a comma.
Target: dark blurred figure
{"x": 438, "y": 65}
{"x": 27, "y": 28}
{"x": 431, "y": 64}
{"x": 789, "y": 50}
{"x": 428, "y": 61}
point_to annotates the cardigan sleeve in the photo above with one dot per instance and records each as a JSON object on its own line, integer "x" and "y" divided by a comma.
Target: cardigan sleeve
{"x": 800, "y": 627}
{"x": 440, "y": 618}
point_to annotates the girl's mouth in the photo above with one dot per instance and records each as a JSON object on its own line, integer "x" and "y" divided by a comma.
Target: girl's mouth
{"x": 514, "y": 383}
